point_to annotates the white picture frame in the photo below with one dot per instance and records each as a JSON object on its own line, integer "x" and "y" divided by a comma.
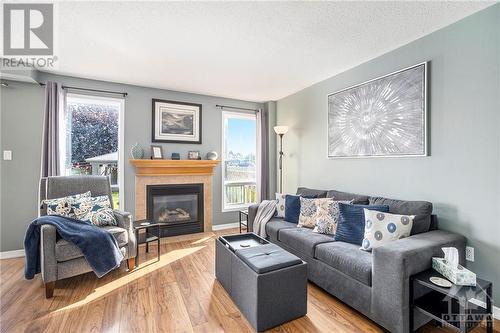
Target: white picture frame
{"x": 176, "y": 122}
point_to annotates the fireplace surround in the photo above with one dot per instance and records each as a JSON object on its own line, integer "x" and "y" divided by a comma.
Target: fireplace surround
{"x": 178, "y": 206}
{"x": 174, "y": 172}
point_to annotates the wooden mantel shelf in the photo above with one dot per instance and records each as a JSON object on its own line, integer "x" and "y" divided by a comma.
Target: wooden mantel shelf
{"x": 174, "y": 167}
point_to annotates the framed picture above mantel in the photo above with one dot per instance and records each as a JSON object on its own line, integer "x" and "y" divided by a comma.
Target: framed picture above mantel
{"x": 176, "y": 122}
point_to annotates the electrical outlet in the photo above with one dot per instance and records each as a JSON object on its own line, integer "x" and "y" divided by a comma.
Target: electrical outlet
{"x": 7, "y": 155}
{"x": 469, "y": 253}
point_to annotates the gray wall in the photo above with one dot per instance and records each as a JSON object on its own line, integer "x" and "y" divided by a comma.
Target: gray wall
{"x": 21, "y": 131}
{"x": 462, "y": 174}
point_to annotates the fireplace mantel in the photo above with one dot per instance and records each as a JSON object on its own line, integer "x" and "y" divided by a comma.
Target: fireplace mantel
{"x": 174, "y": 167}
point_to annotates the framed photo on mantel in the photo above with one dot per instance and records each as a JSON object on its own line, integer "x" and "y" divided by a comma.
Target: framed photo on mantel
{"x": 178, "y": 122}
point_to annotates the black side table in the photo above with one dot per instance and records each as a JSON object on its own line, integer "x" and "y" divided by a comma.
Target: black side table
{"x": 451, "y": 307}
{"x": 243, "y": 223}
{"x": 147, "y": 237}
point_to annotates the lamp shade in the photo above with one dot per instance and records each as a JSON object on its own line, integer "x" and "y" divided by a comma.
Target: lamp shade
{"x": 280, "y": 129}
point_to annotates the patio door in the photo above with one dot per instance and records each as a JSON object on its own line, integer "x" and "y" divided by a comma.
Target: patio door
{"x": 93, "y": 139}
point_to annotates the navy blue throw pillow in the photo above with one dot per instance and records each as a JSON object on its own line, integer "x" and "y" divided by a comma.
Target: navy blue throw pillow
{"x": 351, "y": 224}
{"x": 292, "y": 207}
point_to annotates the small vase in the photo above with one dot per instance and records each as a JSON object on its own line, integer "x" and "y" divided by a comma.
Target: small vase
{"x": 212, "y": 155}
{"x": 137, "y": 152}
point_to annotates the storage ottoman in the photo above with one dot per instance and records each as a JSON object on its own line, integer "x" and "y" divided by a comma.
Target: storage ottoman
{"x": 267, "y": 283}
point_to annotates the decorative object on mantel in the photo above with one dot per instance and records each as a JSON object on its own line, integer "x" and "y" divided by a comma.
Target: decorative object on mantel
{"x": 194, "y": 155}
{"x": 156, "y": 152}
{"x": 212, "y": 155}
{"x": 137, "y": 152}
{"x": 281, "y": 130}
{"x": 386, "y": 116}
{"x": 452, "y": 270}
{"x": 178, "y": 122}
{"x": 176, "y": 156}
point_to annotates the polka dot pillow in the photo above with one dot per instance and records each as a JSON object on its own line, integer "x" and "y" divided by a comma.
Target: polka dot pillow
{"x": 280, "y": 205}
{"x": 382, "y": 228}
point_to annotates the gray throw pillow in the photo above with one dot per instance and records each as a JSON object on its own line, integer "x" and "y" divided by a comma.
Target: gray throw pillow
{"x": 421, "y": 209}
{"x": 309, "y": 192}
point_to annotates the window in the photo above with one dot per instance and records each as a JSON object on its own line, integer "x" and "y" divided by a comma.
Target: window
{"x": 91, "y": 139}
{"x": 239, "y": 147}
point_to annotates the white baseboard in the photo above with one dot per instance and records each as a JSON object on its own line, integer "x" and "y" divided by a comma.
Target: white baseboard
{"x": 225, "y": 226}
{"x": 12, "y": 254}
{"x": 496, "y": 310}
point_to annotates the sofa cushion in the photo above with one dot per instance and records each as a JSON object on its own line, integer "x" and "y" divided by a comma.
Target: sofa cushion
{"x": 280, "y": 205}
{"x": 303, "y": 240}
{"x": 351, "y": 225}
{"x": 292, "y": 207}
{"x": 355, "y": 198}
{"x": 348, "y": 259}
{"x": 382, "y": 228}
{"x": 309, "y": 209}
{"x": 67, "y": 251}
{"x": 421, "y": 209}
{"x": 304, "y": 191}
{"x": 274, "y": 226}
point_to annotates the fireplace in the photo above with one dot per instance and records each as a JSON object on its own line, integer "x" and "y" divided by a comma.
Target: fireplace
{"x": 178, "y": 206}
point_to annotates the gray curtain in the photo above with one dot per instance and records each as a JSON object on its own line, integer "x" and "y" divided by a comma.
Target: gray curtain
{"x": 54, "y": 110}
{"x": 263, "y": 153}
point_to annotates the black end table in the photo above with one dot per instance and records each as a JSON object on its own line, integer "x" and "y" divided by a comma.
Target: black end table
{"x": 151, "y": 234}
{"x": 243, "y": 223}
{"x": 455, "y": 307}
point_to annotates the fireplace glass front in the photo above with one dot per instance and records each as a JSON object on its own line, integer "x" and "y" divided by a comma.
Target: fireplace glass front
{"x": 178, "y": 206}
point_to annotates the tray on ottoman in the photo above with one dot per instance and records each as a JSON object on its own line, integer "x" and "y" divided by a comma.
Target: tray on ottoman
{"x": 267, "y": 283}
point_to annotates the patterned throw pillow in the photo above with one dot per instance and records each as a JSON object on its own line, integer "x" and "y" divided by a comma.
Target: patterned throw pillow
{"x": 97, "y": 210}
{"x": 292, "y": 207}
{"x": 65, "y": 206}
{"x": 280, "y": 205}
{"x": 382, "y": 228}
{"x": 309, "y": 209}
{"x": 327, "y": 217}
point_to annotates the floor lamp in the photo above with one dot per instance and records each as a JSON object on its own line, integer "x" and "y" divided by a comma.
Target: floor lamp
{"x": 281, "y": 130}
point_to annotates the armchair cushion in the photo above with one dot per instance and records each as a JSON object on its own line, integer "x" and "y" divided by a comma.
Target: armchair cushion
{"x": 67, "y": 251}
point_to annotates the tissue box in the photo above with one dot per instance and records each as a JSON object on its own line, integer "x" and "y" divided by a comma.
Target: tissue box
{"x": 458, "y": 275}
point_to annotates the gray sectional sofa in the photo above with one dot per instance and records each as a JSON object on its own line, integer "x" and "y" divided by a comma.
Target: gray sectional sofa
{"x": 374, "y": 283}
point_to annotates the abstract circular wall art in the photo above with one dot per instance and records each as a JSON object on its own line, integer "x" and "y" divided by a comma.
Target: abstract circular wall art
{"x": 385, "y": 116}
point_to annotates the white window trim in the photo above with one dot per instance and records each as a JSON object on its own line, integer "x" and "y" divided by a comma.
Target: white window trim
{"x": 83, "y": 98}
{"x": 241, "y": 115}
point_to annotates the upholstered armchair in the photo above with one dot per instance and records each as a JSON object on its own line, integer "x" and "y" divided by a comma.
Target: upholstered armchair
{"x": 61, "y": 259}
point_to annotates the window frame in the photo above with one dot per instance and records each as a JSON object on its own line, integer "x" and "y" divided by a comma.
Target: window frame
{"x": 240, "y": 115}
{"x": 120, "y": 101}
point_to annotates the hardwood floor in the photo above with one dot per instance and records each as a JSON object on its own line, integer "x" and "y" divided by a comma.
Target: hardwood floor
{"x": 177, "y": 294}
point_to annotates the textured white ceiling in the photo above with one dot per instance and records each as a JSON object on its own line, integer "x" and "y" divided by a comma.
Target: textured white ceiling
{"x": 248, "y": 50}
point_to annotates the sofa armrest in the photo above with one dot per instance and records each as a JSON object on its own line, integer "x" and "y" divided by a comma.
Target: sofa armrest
{"x": 394, "y": 263}
{"x": 252, "y": 211}
{"x": 125, "y": 220}
{"x": 48, "y": 262}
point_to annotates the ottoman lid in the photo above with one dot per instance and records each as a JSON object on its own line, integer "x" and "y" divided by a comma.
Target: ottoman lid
{"x": 267, "y": 258}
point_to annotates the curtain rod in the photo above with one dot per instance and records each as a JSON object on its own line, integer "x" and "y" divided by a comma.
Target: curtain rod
{"x": 235, "y": 108}
{"x": 93, "y": 90}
